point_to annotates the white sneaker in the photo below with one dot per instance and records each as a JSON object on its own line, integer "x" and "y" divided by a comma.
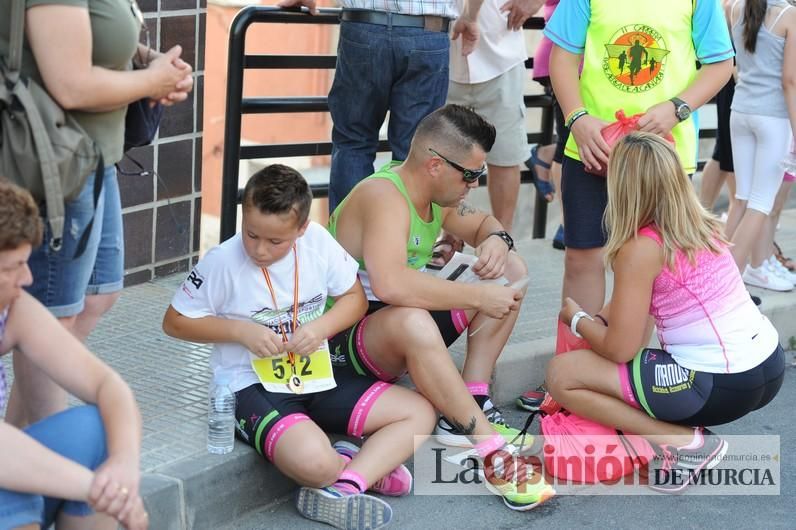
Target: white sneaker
{"x": 762, "y": 277}
{"x": 780, "y": 270}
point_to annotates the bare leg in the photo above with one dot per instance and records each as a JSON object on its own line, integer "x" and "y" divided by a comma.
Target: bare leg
{"x": 764, "y": 248}
{"x": 98, "y": 521}
{"x": 588, "y": 385}
{"x": 712, "y": 180}
{"x": 748, "y": 232}
{"x": 34, "y": 395}
{"x": 398, "y": 424}
{"x": 484, "y": 348}
{"x": 584, "y": 278}
{"x": 96, "y": 306}
{"x": 402, "y": 338}
{"x": 734, "y": 216}
{"x": 304, "y": 454}
{"x": 504, "y": 188}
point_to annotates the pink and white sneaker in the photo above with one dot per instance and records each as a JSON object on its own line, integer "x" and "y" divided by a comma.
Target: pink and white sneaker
{"x": 398, "y": 483}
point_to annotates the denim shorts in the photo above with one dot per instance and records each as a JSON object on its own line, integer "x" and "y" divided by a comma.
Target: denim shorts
{"x": 77, "y": 434}
{"x": 61, "y": 281}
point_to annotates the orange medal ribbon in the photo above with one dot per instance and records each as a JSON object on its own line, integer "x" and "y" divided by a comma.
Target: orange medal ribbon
{"x": 295, "y": 382}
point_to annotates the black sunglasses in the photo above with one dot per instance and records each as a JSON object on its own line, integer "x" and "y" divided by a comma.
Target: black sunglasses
{"x": 468, "y": 175}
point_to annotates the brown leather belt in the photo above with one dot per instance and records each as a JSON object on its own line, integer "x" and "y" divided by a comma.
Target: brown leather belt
{"x": 382, "y": 18}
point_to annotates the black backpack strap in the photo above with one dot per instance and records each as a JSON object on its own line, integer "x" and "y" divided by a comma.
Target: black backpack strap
{"x": 99, "y": 175}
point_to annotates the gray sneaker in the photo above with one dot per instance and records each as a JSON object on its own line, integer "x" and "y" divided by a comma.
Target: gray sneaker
{"x": 347, "y": 512}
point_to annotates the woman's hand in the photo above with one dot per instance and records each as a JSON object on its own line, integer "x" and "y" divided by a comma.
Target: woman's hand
{"x": 114, "y": 490}
{"x": 137, "y": 518}
{"x": 171, "y": 76}
{"x": 569, "y": 308}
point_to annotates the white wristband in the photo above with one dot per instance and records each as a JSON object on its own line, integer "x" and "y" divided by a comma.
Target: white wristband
{"x": 573, "y": 325}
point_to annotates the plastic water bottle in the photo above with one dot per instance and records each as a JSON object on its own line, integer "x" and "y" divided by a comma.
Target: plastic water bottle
{"x": 221, "y": 418}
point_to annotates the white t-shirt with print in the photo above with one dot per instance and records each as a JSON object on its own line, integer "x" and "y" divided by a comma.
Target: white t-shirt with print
{"x": 227, "y": 283}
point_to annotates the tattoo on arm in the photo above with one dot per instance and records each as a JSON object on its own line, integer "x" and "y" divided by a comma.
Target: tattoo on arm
{"x": 469, "y": 429}
{"x": 466, "y": 209}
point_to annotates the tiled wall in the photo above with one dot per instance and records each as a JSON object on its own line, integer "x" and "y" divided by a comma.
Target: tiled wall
{"x": 162, "y": 211}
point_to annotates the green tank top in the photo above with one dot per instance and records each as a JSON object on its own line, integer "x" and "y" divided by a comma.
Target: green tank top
{"x": 637, "y": 55}
{"x": 422, "y": 234}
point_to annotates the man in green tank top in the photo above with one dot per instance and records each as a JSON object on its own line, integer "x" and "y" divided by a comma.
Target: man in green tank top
{"x": 389, "y": 223}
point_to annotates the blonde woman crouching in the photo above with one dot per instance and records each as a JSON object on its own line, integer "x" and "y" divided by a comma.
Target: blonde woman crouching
{"x": 720, "y": 358}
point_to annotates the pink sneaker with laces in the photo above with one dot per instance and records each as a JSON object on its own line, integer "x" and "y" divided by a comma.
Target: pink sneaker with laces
{"x": 398, "y": 483}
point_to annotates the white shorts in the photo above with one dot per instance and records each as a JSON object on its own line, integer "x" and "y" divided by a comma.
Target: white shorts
{"x": 759, "y": 144}
{"x": 500, "y": 102}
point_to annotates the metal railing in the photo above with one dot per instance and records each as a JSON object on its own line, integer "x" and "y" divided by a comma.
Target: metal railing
{"x": 237, "y": 105}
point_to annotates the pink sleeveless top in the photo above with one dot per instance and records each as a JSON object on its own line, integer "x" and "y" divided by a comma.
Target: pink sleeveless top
{"x": 705, "y": 317}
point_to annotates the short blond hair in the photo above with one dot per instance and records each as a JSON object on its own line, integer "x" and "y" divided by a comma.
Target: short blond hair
{"x": 647, "y": 184}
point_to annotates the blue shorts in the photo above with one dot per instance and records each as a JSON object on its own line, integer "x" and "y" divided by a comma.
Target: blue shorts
{"x": 77, "y": 434}
{"x": 61, "y": 282}
{"x": 584, "y": 197}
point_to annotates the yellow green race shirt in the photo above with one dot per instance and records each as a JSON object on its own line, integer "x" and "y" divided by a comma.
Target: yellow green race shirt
{"x": 637, "y": 53}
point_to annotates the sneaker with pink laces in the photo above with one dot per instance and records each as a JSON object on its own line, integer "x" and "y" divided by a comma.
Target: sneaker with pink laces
{"x": 398, "y": 483}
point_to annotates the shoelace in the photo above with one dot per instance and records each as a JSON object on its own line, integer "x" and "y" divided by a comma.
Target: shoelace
{"x": 381, "y": 483}
{"x": 523, "y": 434}
{"x": 669, "y": 456}
{"x": 493, "y": 415}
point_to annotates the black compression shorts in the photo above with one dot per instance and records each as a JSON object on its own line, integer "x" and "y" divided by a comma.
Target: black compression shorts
{"x": 262, "y": 416}
{"x": 350, "y": 355}
{"x": 655, "y": 383}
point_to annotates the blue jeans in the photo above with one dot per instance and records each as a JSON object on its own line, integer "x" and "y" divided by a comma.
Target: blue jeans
{"x": 61, "y": 281}
{"x": 381, "y": 68}
{"x": 77, "y": 434}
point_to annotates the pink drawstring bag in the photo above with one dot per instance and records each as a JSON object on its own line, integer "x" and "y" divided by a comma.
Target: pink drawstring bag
{"x": 583, "y": 451}
{"x": 617, "y": 130}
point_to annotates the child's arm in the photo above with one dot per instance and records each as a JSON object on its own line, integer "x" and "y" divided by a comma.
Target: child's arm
{"x": 256, "y": 338}
{"x": 592, "y": 148}
{"x": 348, "y": 308}
{"x": 661, "y": 118}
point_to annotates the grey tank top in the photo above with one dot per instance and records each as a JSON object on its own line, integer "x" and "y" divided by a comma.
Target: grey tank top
{"x": 759, "y": 87}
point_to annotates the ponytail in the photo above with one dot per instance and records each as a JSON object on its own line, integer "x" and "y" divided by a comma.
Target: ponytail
{"x": 754, "y": 12}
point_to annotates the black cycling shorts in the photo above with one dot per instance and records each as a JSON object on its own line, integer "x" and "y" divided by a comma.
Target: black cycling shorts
{"x": 348, "y": 347}
{"x": 655, "y": 383}
{"x": 722, "y": 149}
{"x": 262, "y": 416}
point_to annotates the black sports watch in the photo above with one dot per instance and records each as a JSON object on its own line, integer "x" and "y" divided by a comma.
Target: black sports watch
{"x": 507, "y": 239}
{"x": 681, "y": 109}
